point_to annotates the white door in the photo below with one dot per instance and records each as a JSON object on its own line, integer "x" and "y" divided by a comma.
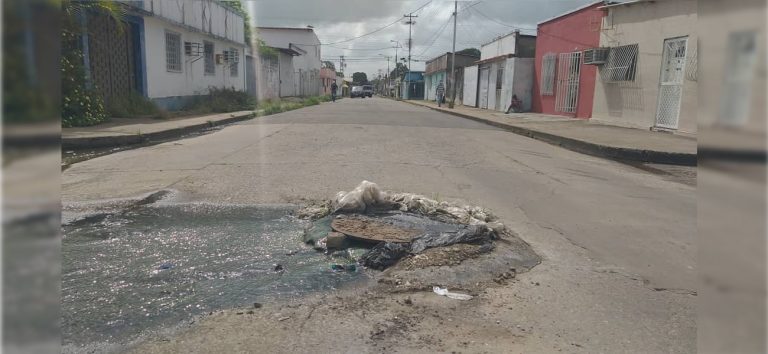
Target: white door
{"x": 671, "y": 83}
{"x": 568, "y": 75}
{"x": 484, "y": 78}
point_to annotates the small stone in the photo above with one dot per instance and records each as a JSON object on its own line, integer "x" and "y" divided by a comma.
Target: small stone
{"x": 278, "y": 268}
{"x": 250, "y": 312}
{"x": 408, "y": 301}
{"x": 257, "y": 305}
{"x": 335, "y": 240}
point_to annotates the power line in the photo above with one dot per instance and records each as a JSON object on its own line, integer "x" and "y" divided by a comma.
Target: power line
{"x": 377, "y": 30}
{"x": 501, "y": 23}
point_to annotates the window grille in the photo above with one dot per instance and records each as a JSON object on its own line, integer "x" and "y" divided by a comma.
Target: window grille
{"x": 232, "y": 58}
{"x": 548, "y": 63}
{"x": 621, "y": 64}
{"x": 172, "y": 51}
{"x": 210, "y": 65}
{"x": 568, "y": 77}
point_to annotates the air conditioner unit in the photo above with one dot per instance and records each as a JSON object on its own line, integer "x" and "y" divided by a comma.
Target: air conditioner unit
{"x": 596, "y": 56}
{"x": 231, "y": 56}
{"x": 193, "y": 49}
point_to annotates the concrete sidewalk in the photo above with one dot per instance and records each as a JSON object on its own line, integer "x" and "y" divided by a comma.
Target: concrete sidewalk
{"x": 127, "y": 131}
{"x": 586, "y": 137}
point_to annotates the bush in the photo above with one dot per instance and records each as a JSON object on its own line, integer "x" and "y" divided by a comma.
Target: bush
{"x": 222, "y": 100}
{"x": 134, "y": 105}
{"x": 312, "y": 101}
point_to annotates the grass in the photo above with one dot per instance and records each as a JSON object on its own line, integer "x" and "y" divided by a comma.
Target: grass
{"x": 221, "y": 100}
{"x": 134, "y": 105}
{"x": 277, "y": 106}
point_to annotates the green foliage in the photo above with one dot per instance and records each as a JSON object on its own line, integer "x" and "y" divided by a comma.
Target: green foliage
{"x": 134, "y": 105}
{"x": 237, "y": 6}
{"x": 312, "y": 101}
{"x": 470, "y": 51}
{"x": 276, "y": 106}
{"x": 360, "y": 78}
{"x": 265, "y": 51}
{"x": 222, "y": 100}
{"x": 399, "y": 71}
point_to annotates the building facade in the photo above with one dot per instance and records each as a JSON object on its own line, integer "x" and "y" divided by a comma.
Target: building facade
{"x": 438, "y": 70}
{"x": 411, "y": 86}
{"x": 647, "y": 78}
{"x": 328, "y": 77}
{"x": 299, "y": 63}
{"x": 167, "y": 53}
{"x": 505, "y": 69}
{"x": 564, "y": 85}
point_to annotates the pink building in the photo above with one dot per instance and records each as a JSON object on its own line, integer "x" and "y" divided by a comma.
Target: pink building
{"x": 327, "y": 77}
{"x": 564, "y": 84}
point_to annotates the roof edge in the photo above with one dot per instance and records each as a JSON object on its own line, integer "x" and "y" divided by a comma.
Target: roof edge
{"x": 581, "y": 8}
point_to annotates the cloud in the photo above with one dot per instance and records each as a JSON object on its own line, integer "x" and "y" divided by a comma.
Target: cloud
{"x": 339, "y": 20}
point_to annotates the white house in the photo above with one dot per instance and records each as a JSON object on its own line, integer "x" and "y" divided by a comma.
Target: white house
{"x": 299, "y": 59}
{"x": 505, "y": 68}
{"x": 173, "y": 50}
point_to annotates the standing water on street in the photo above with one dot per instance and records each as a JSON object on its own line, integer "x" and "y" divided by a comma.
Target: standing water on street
{"x": 152, "y": 268}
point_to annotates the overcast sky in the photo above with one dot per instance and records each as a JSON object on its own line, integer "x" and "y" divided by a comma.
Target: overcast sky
{"x": 339, "y": 20}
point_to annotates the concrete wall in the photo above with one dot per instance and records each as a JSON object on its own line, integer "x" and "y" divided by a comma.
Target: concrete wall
{"x": 430, "y": 84}
{"x": 221, "y": 21}
{"x": 573, "y": 32}
{"x": 327, "y": 77}
{"x": 268, "y": 81}
{"x": 287, "y": 77}
{"x": 306, "y": 67}
{"x": 501, "y": 46}
{"x": 647, "y": 24}
{"x": 470, "y": 86}
{"x": 522, "y": 85}
{"x": 172, "y": 89}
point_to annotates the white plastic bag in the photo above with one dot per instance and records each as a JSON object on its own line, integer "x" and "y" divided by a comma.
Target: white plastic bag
{"x": 364, "y": 195}
{"x": 456, "y": 296}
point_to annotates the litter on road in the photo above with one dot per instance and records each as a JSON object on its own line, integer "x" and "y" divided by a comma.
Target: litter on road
{"x": 456, "y": 296}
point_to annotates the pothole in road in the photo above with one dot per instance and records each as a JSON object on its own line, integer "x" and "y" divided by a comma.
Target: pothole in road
{"x": 147, "y": 266}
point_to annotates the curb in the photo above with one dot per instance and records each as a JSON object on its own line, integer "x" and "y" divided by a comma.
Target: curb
{"x": 585, "y": 147}
{"x": 121, "y": 140}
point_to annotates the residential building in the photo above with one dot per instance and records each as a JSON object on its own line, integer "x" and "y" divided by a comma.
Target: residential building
{"x": 505, "y": 69}
{"x": 167, "y": 53}
{"x": 563, "y": 84}
{"x": 438, "y": 70}
{"x": 411, "y": 85}
{"x": 648, "y": 76}
{"x": 328, "y": 77}
{"x": 299, "y": 62}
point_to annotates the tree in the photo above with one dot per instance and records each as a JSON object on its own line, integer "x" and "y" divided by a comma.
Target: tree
{"x": 360, "y": 78}
{"x": 470, "y": 51}
{"x": 399, "y": 70}
{"x": 237, "y": 6}
{"x": 329, "y": 64}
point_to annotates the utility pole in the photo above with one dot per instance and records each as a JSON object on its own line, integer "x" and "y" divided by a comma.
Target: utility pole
{"x": 410, "y": 22}
{"x": 453, "y": 55}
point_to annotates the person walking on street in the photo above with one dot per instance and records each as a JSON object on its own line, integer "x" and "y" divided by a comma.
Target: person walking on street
{"x": 440, "y": 93}
{"x": 334, "y": 87}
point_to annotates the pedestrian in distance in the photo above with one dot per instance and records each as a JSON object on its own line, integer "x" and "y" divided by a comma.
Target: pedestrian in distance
{"x": 440, "y": 93}
{"x": 334, "y": 87}
{"x": 515, "y": 106}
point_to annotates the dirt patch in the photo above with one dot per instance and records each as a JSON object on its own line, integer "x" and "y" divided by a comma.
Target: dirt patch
{"x": 441, "y": 256}
{"x": 368, "y": 229}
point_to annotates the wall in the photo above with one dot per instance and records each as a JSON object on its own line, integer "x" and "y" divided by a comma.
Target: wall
{"x": 470, "y": 86}
{"x": 500, "y": 46}
{"x": 634, "y": 104}
{"x": 576, "y": 31}
{"x": 207, "y": 16}
{"x": 169, "y": 89}
{"x": 430, "y": 84}
{"x": 327, "y": 77}
{"x": 268, "y": 81}
{"x": 523, "y": 82}
{"x": 287, "y": 77}
{"x": 306, "y": 67}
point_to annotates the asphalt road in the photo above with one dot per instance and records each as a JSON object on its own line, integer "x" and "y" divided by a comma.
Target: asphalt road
{"x": 618, "y": 242}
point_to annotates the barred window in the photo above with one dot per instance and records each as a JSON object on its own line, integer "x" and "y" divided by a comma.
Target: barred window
{"x": 172, "y": 51}
{"x": 233, "y": 59}
{"x": 210, "y": 65}
{"x": 548, "y": 63}
{"x": 621, "y": 64}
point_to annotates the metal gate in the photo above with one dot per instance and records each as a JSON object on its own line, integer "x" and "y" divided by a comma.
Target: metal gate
{"x": 568, "y": 73}
{"x": 671, "y": 83}
{"x": 484, "y": 78}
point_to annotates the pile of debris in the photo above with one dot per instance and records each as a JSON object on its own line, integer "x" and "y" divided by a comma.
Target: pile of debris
{"x": 396, "y": 224}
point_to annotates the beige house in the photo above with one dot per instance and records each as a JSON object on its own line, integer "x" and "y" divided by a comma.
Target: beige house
{"x": 648, "y": 75}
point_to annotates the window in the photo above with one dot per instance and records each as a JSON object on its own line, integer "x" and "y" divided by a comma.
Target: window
{"x": 172, "y": 51}
{"x": 621, "y": 64}
{"x": 548, "y": 63}
{"x": 233, "y": 59}
{"x": 210, "y": 65}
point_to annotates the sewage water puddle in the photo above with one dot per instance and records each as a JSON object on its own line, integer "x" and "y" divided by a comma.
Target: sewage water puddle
{"x": 154, "y": 267}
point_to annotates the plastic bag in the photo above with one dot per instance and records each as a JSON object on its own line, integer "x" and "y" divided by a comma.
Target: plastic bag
{"x": 456, "y": 296}
{"x": 365, "y": 195}
{"x": 469, "y": 234}
{"x": 383, "y": 255}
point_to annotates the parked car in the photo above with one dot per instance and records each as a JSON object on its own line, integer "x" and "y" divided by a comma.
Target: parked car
{"x": 357, "y": 91}
{"x": 368, "y": 90}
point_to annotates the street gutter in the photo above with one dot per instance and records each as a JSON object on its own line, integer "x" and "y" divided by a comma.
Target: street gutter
{"x": 584, "y": 147}
{"x": 120, "y": 139}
